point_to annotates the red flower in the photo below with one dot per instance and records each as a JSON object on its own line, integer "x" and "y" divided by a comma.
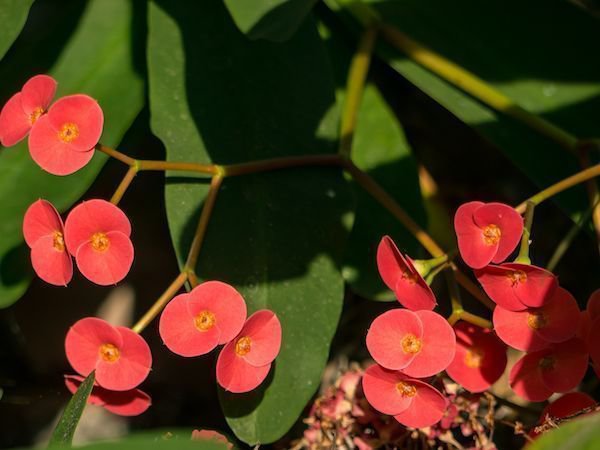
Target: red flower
{"x": 211, "y": 436}
{"x": 487, "y": 232}
{"x": 568, "y": 404}
{"x": 535, "y": 328}
{"x": 517, "y": 286}
{"x": 62, "y": 141}
{"x": 97, "y": 234}
{"x": 24, "y": 108}
{"x": 593, "y": 344}
{"x": 193, "y": 324}
{"x": 558, "y": 368}
{"x": 245, "y": 361}
{"x": 420, "y": 343}
{"x": 480, "y": 358}
{"x": 591, "y": 312}
{"x": 401, "y": 276}
{"x": 120, "y": 357}
{"x": 124, "y": 403}
{"x": 412, "y": 402}
{"x": 44, "y": 234}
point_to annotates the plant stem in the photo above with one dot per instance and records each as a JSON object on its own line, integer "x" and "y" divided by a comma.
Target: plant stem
{"x": 115, "y": 154}
{"x": 209, "y": 169}
{"x": 592, "y": 186}
{"x": 162, "y": 301}
{"x": 357, "y": 76}
{"x": 562, "y": 185}
{"x": 476, "y": 320}
{"x": 125, "y": 182}
{"x": 211, "y": 197}
{"x": 523, "y": 256}
{"x": 232, "y": 170}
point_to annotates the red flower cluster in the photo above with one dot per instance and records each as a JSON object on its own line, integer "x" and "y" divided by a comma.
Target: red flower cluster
{"x": 96, "y": 233}
{"x": 212, "y": 314}
{"x": 62, "y": 137}
{"x": 120, "y": 358}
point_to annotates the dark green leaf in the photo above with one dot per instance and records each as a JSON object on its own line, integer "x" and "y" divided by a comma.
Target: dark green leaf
{"x": 67, "y": 424}
{"x": 275, "y": 20}
{"x": 379, "y": 148}
{"x": 97, "y": 60}
{"x": 13, "y": 14}
{"x": 579, "y": 434}
{"x": 277, "y": 237}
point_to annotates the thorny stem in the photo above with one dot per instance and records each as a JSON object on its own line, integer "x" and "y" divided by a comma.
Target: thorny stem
{"x": 523, "y": 256}
{"x": 357, "y": 76}
{"x": 280, "y": 163}
{"x": 562, "y": 185}
{"x": 200, "y": 233}
{"x": 157, "y": 307}
{"x": 124, "y": 184}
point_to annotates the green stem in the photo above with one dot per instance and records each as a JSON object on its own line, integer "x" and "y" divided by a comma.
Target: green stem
{"x": 523, "y": 256}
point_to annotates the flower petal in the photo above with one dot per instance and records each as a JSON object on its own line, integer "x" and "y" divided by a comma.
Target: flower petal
{"x": 264, "y": 329}
{"x": 51, "y": 154}
{"x": 379, "y": 387}
{"x": 93, "y": 216}
{"x": 568, "y": 404}
{"x": 235, "y": 375}
{"x": 539, "y": 287}
{"x": 108, "y": 266}
{"x": 570, "y": 362}
{"x": 514, "y": 329}
{"x": 475, "y": 252}
{"x": 562, "y": 316}
{"x": 526, "y": 380}
{"x": 83, "y": 341}
{"x": 51, "y": 265}
{"x": 83, "y": 112}
{"x": 427, "y": 408}
{"x": 508, "y": 220}
{"x": 498, "y": 285}
{"x": 438, "y": 346}
{"x": 14, "y": 122}
{"x": 41, "y": 219}
{"x": 384, "y": 338}
{"x": 179, "y": 333}
{"x": 126, "y": 403}
{"x": 38, "y": 92}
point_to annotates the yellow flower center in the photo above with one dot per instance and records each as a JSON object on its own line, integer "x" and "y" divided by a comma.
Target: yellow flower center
{"x": 516, "y": 277}
{"x": 537, "y": 320}
{"x": 243, "y": 346}
{"x": 109, "y": 352}
{"x": 474, "y": 357}
{"x": 491, "y": 234}
{"x": 547, "y": 363}
{"x": 411, "y": 344}
{"x": 35, "y": 115}
{"x": 411, "y": 278}
{"x": 205, "y": 321}
{"x": 58, "y": 241}
{"x": 406, "y": 389}
{"x": 68, "y": 132}
{"x": 100, "y": 242}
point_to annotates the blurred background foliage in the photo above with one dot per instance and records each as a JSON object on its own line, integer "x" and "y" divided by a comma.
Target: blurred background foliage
{"x": 235, "y": 81}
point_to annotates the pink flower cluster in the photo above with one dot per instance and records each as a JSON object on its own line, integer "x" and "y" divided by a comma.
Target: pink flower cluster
{"x": 96, "y": 233}
{"x": 533, "y": 313}
{"x": 62, "y": 136}
{"x": 213, "y": 314}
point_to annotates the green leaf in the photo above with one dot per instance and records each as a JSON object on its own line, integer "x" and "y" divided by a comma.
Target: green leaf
{"x": 380, "y": 148}
{"x": 277, "y": 237}
{"x": 275, "y": 20}
{"x": 67, "y": 424}
{"x": 96, "y": 60}
{"x": 579, "y": 434}
{"x": 13, "y": 14}
{"x": 506, "y": 44}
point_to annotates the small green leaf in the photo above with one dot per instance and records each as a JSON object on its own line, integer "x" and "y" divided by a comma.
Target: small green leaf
{"x": 97, "y": 60}
{"x": 580, "y": 434}
{"x": 275, "y": 20}
{"x": 277, "y": 237}
{"x": 13, "y": 14}
{"x": 67, "y": 424}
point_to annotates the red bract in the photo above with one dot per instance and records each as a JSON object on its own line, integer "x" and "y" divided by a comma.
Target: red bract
{"x": 62, "y": 141}
{"x": 480, "y": 358}
{"x": 211, "y": 436}
{"x": 593, "y": 344}
{"x": 535, "y": 328}
{"x": 568, "y": 404}
{"x": 591, "y": 312}
{"x": 245, "y": 361}
{"x": 517, "y": 286}
{"x": 412, "y": 402}
{"x": 487, "y": 232}
{"x": 124, "y": 403}
{"x": 401, "y": 276}
{"x": 558, "y": 368}
{"x": 193, "y": 324}
{"x": 24, "y": 108}
{"x": 97, "y": 234}
{"x": 420, "y": 343}
{"x": 120, "y": 357}
{"x": 44, "y": 234}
